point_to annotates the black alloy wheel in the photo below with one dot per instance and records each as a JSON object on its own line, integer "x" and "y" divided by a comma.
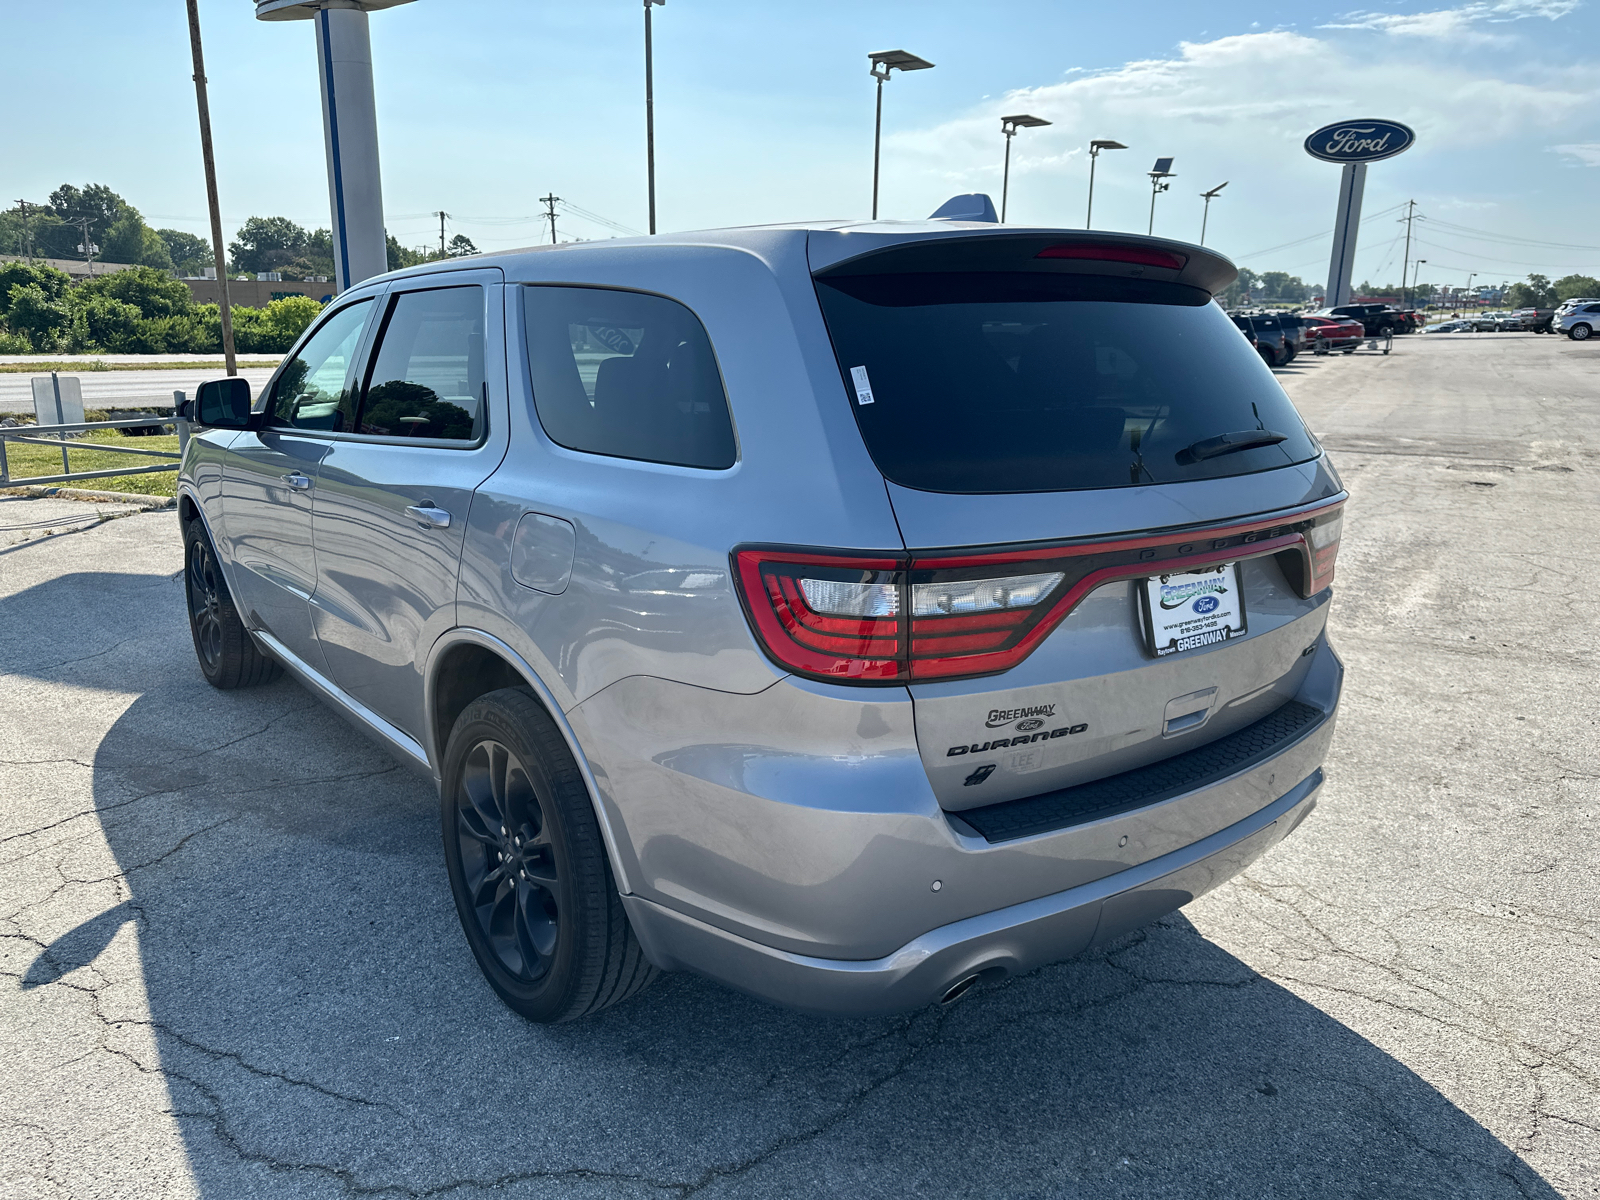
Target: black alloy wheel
{"x": 508, "y": 862}
{"x": 528, "y": 865}
{"x": 228, "y": 656}
{"x": 205, "y": 605}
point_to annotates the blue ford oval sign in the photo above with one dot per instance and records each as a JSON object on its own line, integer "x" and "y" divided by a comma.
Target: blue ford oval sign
{"x": 1359, "y": 141}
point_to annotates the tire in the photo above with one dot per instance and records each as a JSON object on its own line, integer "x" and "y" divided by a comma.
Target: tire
{"x": 228, "y": 656}
{"x": 1579, "y": 332}
{"x": 1268, "y": 355}
{"x": 528, "y": 866}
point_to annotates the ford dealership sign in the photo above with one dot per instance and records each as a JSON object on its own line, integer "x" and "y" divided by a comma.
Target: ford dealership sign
{"x": 1359, "y": 141}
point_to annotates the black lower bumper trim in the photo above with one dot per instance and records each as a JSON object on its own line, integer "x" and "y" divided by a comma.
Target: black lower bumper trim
{"x": 1197, "y": 768}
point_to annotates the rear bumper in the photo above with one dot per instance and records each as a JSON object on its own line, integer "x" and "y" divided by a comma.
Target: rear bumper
{"x": 1008, "y": 941}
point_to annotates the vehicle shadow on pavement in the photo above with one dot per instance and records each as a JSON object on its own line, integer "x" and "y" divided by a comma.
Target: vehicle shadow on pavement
{"x": 322, "y": 1029}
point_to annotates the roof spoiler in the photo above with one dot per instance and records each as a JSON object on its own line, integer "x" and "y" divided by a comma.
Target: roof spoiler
{"x": 973, "y": 206}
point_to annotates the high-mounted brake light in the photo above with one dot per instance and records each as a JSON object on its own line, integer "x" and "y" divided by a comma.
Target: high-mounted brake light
{"x": 900, "y": 618}
{"x": 1143, "y": 256}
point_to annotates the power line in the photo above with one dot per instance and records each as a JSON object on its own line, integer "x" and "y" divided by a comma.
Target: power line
{"x": 550, "y": 201}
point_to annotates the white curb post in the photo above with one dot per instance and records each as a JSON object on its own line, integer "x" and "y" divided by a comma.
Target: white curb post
{"x": 349, "y": 128}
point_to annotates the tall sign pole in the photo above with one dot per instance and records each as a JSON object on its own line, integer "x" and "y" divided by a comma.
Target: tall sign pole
{"x": 218, "y": 250}
{"x": 349, "y": 127}
{"x": 1353, "y": 144}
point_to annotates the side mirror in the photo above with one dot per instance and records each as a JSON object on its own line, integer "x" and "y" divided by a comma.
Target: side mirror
{"x": 223, "y": 404}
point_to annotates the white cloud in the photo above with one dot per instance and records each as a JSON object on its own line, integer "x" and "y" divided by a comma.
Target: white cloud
{"x": 1460, "y": 24}
{"x": 1238, "y": 108}
{"x": 1586, "y": 153}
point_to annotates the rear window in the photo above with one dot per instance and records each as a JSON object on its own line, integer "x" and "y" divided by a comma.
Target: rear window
{"x": 1022, "y": 382}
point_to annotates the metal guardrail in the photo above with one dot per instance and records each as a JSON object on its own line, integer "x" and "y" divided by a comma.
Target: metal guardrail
{"x": 33, "y": 435}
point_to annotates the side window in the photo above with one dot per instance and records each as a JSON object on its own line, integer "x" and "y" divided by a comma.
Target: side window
{"x": 626, "y": 374}
{"x": 426, "y": 378}
{"x": 311, "y": 392}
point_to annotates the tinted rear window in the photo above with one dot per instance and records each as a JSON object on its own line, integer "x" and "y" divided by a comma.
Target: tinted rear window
{"x": 1012, "y": 382}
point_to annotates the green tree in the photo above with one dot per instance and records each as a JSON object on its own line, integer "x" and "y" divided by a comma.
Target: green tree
{"x": 267, "y": 244}
{"x": 459, "y": 246}
{"x": 152, "y": 293}
{"x": 130, "y": 240}
{"x": 30, "y": 311}
{"x": 399, "y": 256}
{"x": 52, "y": 282}
{"x": 1569, "y": 286}
{"x": 94, "y": 202}
{"x": 190, "y": 254}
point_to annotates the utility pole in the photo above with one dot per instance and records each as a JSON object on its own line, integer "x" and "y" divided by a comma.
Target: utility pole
{"x": 27, "y": 230}
{"x": 1405, "y": 258}
{"x": 218, "y": 251}
{"x": 88, "y": 246}
{"x": 441, "y": 214}
{"x": 550, "y": 203}
{"x": 649, "y": 114}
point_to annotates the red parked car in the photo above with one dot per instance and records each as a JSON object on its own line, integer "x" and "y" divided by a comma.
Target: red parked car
{"x": 1341, "y": 333}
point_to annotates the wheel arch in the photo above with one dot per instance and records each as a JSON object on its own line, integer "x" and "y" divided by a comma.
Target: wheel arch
{"x": 467, "y": 663}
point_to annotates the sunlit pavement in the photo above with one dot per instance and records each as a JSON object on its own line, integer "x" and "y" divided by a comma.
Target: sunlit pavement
{"x": 229, "y": 964}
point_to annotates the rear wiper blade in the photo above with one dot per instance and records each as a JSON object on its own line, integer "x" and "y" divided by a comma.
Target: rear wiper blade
{"x": 1229, "y": 443}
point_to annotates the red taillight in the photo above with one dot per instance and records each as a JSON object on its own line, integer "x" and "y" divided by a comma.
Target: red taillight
{"x": 900, "y": 618}
{"x": 1322, "y": 539}
{"x": 1143, "y": 256}
{"x": 827, "y": 616}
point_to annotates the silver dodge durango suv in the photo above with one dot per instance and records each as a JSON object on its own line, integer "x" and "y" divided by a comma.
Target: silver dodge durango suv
{"x": 848, "y": 612}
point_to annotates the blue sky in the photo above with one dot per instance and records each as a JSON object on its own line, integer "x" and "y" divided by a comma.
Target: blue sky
{"x": 764, "y": 113}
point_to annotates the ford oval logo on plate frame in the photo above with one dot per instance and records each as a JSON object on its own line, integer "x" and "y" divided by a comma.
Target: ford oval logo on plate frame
{"x": 1360, "y": 141}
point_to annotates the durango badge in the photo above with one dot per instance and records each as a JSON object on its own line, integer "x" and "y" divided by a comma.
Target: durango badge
{"x": 1022, "y": 738}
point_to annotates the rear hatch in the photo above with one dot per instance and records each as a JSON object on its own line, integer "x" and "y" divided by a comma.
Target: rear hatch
{"x": 1119, "y": 532}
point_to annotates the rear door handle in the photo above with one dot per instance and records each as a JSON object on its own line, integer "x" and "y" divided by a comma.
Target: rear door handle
{"x": 299, "y": 482}
{"x": 429, "y": 517}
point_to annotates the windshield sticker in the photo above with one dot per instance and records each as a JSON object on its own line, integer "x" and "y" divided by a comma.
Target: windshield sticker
{"x": 858, "y": 376}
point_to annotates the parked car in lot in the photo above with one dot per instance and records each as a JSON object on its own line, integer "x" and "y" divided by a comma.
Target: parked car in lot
{"x": 1450, "y": 327}
{"x": 1581, "y": 323}
{"x": 1340, "y": 333}
{"x": 849, "y": 612}
{"x": 1534, "y": 320}
{"x": 1377, "y": 320}
{"x": 1276, "y": 340}
{"x": 1484, "y": 322}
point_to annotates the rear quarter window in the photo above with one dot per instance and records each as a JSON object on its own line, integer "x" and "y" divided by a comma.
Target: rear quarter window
{"x": 626, "y": 374}
{"x": 1016, "y": 382}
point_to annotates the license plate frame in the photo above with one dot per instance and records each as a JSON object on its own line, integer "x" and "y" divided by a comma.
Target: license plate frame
{"x": 1166, "y": 632}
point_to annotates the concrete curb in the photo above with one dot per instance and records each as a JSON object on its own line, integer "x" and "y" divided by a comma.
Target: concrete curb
{"x": 152, "y": 503}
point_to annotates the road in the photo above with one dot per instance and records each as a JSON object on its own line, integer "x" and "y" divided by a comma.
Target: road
{"x": 229, "y": 964}
{"x": 116, "y": 389}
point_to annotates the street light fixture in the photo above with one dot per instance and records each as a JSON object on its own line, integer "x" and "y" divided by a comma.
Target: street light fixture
{"x": 1416, "y": 278}
{"x": 884, "y": 62}
{"x": 1095, "y": 146}
{"x": 1206, "y": 215}
{"x": 649, "y": 113}
{"x": 1162, "y": 170}
{"x": 1009, "y": 127}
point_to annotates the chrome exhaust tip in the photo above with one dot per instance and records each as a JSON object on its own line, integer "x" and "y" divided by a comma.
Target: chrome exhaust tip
{"x": 959, "y": 989}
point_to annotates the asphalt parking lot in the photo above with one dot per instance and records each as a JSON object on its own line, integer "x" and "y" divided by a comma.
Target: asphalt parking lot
{"x": 229, "y": 964}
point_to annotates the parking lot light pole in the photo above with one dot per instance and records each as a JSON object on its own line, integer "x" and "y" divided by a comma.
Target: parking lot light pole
{"x": 650, "y": 112}
{"x": 883, "y": 62}
{"x": 1158, "y": 174}
{"x": 1416, "y": 278}
{"x": 1206, "y": 214}
{"x": 1009, "y": 127}
{"x": 1095, "y": 146}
